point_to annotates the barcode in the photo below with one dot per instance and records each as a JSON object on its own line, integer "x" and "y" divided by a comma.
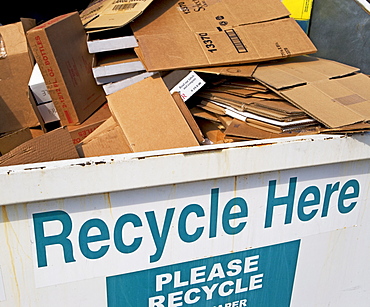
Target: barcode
{"x": 235, "y": 39}
{"x": 123, "y": 7}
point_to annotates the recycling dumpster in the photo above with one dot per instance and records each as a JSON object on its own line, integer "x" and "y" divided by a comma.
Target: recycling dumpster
{"x": 275, "y": 222}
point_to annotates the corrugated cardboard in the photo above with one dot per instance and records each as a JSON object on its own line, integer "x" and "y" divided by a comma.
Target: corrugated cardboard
{"x": 333, "y": 93}
{"x": 52, "y": 146}
{"x": 186, "y": 34}
{"x": 80, "y": 132}
{"x": 107, "y": 139}
{"x": 10, "y": 140}
{"x": 149, "y": 117}
{"x": 188, "y": 117}
{"x": 60, "y": 49}
{"x": 16, "y": 109}
{"x": 106, "y": 14}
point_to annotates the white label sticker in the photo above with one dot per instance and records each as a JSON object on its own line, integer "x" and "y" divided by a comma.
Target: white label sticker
{"x": 188, "y": 86}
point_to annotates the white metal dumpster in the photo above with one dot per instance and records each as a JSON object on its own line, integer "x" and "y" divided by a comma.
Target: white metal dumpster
{"x": 282, "y": 222}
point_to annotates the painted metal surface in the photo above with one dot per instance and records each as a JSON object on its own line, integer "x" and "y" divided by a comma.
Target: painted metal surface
{"x": 268, "y": 223}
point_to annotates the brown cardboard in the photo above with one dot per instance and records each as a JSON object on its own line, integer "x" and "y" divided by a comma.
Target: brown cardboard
{"x": 107, "y": 139}
{"x": 149, "y": 117}
{"x": 333, "y": 93}
{"x": 79, "y": 132}
{"x": 191, "y": 34}
{"x": 245, "y": 70}
{"x": 59, "y": 46}
{"x": 52, "y": 146}
{"x": 244, "y": 129}
{"x": 16, "y": 109}
{"x": 10, "y": 140}
{"x": 188, "y": 117}
{"x": 106, "y": 14}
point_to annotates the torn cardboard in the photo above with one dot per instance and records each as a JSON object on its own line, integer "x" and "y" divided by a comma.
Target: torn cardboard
{"x": 333, "y": 93}
{"x": 59, "y": 46}
{"x": 52, "y": 146}
{"x": 16, "y": 108}
{"x": 173, "y": 35}
{"x": 107, "y": 14}
{"x": 149, "y": 117}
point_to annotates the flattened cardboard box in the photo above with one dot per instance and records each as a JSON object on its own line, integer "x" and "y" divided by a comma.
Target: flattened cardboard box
{"x": 16, "y": 108}
{"x": 60, "y": 49}
{"x": 107, "y": 14}
{"x": 333, "y": 93}
{"x": 191, "y": 34}
{"x": 149, "y": 117}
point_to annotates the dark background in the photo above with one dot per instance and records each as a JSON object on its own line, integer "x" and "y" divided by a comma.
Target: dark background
{"x": 13, "y": 10}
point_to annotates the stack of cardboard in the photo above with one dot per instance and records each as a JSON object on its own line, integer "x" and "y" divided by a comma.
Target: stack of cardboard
{"x": 130, "y": 77}
{"x": 112, "y": 43}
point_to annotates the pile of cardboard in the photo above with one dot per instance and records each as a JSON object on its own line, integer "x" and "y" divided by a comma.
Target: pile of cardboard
{"x": 145, "y": 75}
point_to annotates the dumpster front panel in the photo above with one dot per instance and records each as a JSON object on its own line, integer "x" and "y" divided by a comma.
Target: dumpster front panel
{"x": 293, "y": 237}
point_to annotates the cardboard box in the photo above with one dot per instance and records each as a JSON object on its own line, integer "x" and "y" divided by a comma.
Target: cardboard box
{"x": 333, "y": 93}
{"x": 10, "y": 140}
{"x": 42, "y": 98}
{"x": 38, "y": 87}
{"x": 116, "y": 63}
{"x": 48, "y": 112}
{"x": 80, "y": 132}
{"x": 149, "y": 117}
{"x": 107, "y": 139}
{"x": 60, "y": 49}
{"x": 52, "y": 146}
{"x": 16, "y": 108}
{"x": 188, "y": 34}
{"x": 108, "y": 14}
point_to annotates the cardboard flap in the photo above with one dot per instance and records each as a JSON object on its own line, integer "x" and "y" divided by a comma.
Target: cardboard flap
{"x": 110, "y": 14}
{"x": 149, "y": 117}
{"x": 190, "y": 34}
{"x": 300, "y": 70}
{"x": 322, "y": 106}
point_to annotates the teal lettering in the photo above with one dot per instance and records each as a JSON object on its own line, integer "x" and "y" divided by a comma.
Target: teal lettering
{"x": 184, "y": 235}
{"x": 41, "y": 241}
{"x": 227, "y": 215}
{"x": 159, "y": 238}
{"x": 304, "y": 203}
{"x": 286, "y": 200}
{"x": 84, "y": 239}
{"x": 118, "y": 233}
{"x": 213, "y": 213}
{"x": 343, "y": 195}
{"x": 330, "y": 189}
